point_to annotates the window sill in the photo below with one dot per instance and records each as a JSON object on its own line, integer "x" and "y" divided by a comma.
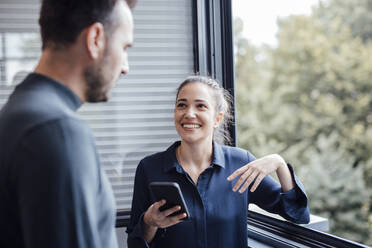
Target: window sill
{"x": 316, "y": 222}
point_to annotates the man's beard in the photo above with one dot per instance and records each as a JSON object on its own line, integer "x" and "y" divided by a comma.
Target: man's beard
{"x": 97, "y": 86}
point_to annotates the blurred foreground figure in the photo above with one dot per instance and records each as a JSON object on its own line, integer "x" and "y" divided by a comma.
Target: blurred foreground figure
{"x": 53, "y": 192}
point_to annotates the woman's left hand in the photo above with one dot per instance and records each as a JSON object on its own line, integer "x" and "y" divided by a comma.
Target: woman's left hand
{"x": 257, "y": 169}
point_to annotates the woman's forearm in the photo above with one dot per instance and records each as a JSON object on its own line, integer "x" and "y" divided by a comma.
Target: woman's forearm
{"x": 285, "y": 177}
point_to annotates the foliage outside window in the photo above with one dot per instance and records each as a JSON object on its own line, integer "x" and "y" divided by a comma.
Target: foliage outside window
{"x": 309, "y": 99}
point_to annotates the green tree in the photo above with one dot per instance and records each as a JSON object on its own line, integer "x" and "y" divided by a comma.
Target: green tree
{"x": 309, "y": 99}
{"x": 325, "y": 78}
{"x": 336, "y": 190}
{"x": 355, "y": 14}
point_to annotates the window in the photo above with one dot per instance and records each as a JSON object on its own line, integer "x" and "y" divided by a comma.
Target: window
{"x": 303, "y": 90}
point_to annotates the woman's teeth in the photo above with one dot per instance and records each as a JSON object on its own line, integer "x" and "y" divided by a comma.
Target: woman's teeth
{"x": 190, "y": 126}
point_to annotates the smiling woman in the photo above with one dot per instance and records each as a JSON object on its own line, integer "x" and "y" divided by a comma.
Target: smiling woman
{"x": 205, "y": 170}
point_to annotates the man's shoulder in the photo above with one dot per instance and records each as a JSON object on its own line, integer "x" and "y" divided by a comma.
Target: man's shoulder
{"x": 37, "y": 127}
{"x": 63, "y": 144}
{"x": 30, "y": 114}
{"x": 31, "y": 106}
{"x": 65, "y": 125}
{"x": 22, "y": 120}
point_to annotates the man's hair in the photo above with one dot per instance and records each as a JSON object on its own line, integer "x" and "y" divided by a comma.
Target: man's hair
{"x": 61, "y": 21}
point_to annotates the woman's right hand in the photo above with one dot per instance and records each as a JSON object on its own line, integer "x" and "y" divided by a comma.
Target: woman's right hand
{"x": 154, "y": 219}
{"x": 161, "y": 219}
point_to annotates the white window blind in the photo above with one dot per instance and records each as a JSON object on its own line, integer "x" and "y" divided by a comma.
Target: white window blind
{"x": 138, "y": 119}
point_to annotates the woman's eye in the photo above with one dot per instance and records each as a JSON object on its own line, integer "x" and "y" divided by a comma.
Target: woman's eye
{"x": 181, "y": 105}
{"x": 202, "y": 106}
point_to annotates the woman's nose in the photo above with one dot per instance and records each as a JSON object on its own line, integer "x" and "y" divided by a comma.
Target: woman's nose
{"x": 190, "y": 113}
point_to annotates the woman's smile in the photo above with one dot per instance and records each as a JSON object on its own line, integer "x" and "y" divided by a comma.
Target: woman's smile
{"x": 190, "y": 125}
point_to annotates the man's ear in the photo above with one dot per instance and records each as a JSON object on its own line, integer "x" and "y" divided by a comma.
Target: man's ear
{"x": 95, "y": 40}
{"x": 219, "y": 119}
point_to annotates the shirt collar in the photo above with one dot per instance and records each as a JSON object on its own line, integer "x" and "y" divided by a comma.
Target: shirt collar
{"x": 218, "y": 155}
{"x": 66, "y": 94}
{"x": 217, "y": 160}
{"x": 171, "y": 158}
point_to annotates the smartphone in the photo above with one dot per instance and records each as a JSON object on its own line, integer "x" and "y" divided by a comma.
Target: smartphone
{"x": 171, "y": 192}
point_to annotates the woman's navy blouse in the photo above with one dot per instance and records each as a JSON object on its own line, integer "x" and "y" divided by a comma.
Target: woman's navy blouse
{"x": 218, "y": 215}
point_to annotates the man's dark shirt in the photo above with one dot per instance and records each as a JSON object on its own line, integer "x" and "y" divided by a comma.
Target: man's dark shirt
{"x": 53, "y": 192}
{"x": 218, "y": 215}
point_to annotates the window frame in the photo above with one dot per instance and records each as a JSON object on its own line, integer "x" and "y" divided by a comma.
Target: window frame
{"x": 278, "y": 233}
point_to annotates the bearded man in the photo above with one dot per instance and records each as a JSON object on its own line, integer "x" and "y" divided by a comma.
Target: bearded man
{"x": 53, "y": 192}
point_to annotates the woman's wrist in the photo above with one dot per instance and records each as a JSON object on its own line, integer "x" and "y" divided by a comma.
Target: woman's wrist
{"x": 147, "y": 221}
{"x": 282, "y": 165}
{"x": 148, "y": 229}
{"x": 284, "y": 175}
